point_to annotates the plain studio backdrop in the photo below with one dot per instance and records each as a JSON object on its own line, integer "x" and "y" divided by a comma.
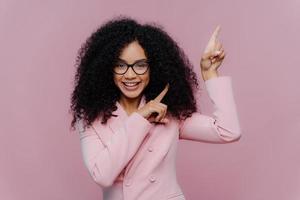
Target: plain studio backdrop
{"x": 40, "y": 157}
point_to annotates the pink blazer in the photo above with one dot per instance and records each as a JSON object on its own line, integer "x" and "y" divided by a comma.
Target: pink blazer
{"x": 133, "y": 159}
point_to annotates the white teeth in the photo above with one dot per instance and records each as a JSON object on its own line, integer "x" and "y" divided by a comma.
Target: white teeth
{"x": 131, "y": 84}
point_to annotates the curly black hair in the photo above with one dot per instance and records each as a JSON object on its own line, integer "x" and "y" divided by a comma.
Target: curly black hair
{"x": 95, "y": 93}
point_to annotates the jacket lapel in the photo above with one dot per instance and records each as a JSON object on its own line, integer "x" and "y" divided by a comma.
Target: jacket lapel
{"x": 118, "y": 121}
{"x": 115, "y": 122}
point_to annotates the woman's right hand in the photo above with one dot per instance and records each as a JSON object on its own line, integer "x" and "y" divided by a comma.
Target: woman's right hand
{"x": 155, "y": 107}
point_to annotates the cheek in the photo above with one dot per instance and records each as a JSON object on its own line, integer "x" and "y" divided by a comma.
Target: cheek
{"x": 116, "y": 80}
{"x": 147, "y": 78}
{"x": 147, "y": 81}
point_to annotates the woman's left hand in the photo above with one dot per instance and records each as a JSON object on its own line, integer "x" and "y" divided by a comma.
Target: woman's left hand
{"x": 213, "y": 54}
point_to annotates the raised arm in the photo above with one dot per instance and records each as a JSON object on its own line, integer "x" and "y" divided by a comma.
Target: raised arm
{"x": 224, "y": 126}
{"x": 105, "y": 157}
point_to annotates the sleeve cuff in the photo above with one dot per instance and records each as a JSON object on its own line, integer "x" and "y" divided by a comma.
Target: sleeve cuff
{"x": 217, "y": 79}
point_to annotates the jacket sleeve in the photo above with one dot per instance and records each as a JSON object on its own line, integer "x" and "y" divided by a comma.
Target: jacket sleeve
{"x": 105, "y": 159}
{"x": 224, "y": 126}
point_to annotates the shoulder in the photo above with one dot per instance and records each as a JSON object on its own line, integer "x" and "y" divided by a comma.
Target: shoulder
{"x": 81, "y": 126}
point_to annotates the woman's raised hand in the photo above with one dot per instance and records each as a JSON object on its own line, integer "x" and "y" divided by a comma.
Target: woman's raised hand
{"x": 213, "y": 54}
{"x": 155, "y": 107}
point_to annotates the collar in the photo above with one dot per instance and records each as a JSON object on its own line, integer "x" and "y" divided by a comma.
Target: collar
{"x": 121, "y": 111}
{"x": 115, "y": 122}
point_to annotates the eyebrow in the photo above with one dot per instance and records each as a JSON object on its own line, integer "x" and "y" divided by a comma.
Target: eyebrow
{"x": 144, "y": 59}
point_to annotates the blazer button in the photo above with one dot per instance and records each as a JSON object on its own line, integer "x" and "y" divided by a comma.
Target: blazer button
{"x": 128, "y": 182}
{"x": 150, "y": 149}
{"x": 152, "y": 179}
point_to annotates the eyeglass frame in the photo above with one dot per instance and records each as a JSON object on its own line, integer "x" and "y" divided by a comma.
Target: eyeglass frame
{"x": 131, "y": 66}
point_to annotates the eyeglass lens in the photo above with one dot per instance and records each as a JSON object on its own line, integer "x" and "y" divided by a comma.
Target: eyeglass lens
{"x": 139, "y": 67}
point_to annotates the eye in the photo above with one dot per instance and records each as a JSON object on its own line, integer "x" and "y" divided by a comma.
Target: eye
{"x": 142, "y": 64}
{"x": 120, "y": 65}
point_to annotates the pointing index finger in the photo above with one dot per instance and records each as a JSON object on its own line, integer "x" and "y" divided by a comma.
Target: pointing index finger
{"x": 213, "y": 40}
{"x": 162, "y": 93}
{"x": 215, "y": 34}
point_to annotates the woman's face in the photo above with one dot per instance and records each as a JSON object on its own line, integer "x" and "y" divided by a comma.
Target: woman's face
{"x": 131, "y": 54}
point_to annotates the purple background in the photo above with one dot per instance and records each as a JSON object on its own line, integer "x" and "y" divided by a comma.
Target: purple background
{"x": 40, "y": 157}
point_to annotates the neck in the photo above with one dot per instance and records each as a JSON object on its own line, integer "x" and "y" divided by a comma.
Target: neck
{"x": 130, "y": 105}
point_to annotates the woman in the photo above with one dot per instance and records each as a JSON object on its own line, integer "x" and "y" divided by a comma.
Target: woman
{"x": 133, "y": 101}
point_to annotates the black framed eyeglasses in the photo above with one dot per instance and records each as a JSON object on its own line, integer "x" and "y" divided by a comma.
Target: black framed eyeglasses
{"x": 139, "y": 67}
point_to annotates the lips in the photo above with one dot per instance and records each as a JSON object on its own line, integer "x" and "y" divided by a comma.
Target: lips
{"x": 131, "y": 84}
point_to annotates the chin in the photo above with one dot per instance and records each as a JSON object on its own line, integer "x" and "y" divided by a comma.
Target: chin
{"x": 130, "y": 96}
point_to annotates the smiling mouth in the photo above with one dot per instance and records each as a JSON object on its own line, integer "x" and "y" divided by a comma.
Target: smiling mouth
{"x": 133, "y": 84}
